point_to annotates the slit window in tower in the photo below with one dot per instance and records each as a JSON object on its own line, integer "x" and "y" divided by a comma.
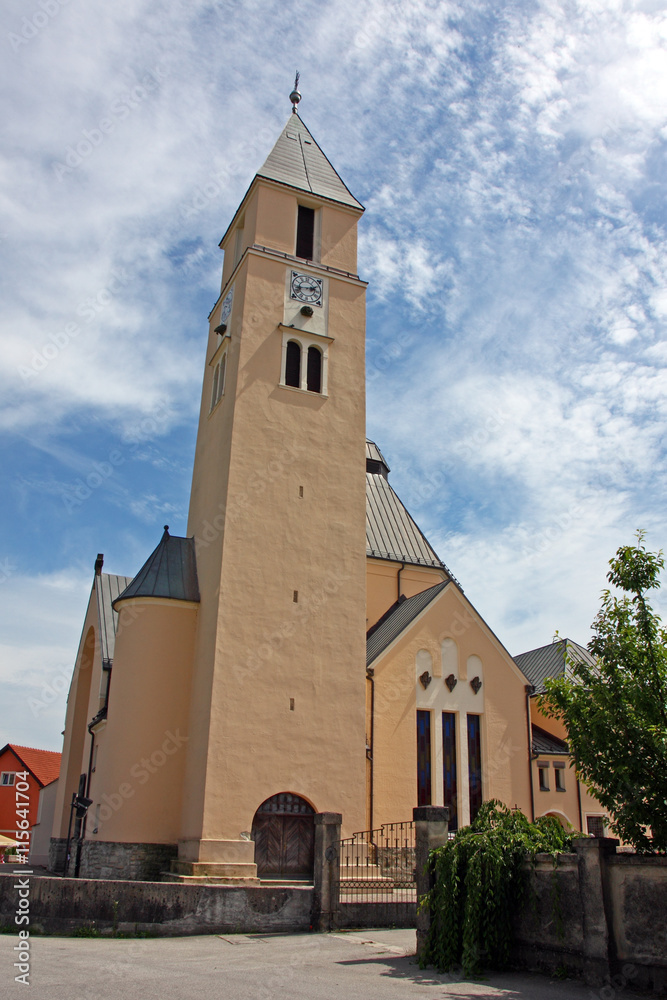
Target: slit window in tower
{"x": 305, "y": 233}
{"x": 474, "y": 765}
{"x": 293, "y": 365}
{"x": 314, "y": 370}
{"x": 423, "y": 758}
{"x": 449, "y": 766}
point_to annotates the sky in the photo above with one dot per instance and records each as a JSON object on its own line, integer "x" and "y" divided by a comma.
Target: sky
{"x": 512, "y": 160}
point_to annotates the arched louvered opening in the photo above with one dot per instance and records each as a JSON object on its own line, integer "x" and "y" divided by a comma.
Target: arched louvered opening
{"x": 293, "y": 364}
{"x": 314, "y": 370}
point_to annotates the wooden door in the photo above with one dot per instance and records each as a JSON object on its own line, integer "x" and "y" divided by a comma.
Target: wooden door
{"x": 284, "y": 833}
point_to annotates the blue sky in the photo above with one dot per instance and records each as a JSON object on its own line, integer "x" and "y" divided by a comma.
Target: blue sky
{"x": 512, "y": 160}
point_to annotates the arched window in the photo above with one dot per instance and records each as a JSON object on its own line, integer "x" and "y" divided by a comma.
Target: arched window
{"x": 293, "y": 365}
{"x": 218, "y": 380}
{"x": 314, "y": 373}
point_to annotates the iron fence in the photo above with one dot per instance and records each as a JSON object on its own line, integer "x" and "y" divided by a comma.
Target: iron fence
{"x": 378, "y": 866}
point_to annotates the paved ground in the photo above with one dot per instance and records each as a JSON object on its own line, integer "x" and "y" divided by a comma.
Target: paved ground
{"x": 359, "y": 965}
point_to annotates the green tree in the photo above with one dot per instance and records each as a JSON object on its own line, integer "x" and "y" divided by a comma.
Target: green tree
{"x": 616, "y": 711}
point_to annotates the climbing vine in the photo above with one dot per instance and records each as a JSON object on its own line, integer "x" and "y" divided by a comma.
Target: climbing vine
{"x": 480, "y": 880}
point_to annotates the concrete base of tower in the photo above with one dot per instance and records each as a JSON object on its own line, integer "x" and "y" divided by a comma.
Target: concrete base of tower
{"x": 224, "y": 862}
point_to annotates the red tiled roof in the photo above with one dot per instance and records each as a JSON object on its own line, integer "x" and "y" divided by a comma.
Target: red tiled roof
{"x": 44, "y": 764}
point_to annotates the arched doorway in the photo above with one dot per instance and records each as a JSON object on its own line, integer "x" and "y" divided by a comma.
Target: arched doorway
{"x": 284, "y": 833}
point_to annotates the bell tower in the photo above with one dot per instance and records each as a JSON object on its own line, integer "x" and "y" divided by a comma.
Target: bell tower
{"x": 277, "y": 512}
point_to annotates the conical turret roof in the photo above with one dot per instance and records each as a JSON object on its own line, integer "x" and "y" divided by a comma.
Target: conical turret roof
{"x": 297, "y": 160}
{"x": 169, "y": 572}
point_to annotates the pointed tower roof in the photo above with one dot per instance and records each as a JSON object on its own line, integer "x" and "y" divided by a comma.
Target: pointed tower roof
{"x": 170, "y": 571}
{"x": 298, "y": 161}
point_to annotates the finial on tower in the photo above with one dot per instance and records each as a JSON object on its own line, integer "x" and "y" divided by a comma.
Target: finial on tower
{"x": 295, "y": 96}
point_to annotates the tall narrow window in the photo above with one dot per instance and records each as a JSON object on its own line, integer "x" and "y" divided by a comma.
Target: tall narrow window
{"x": 449, "y": 767}
{"x": 423, "y": 758}
{"x": 314, "y": 371}
{"x": 214, "y": 390}
{"x": 218, "y": 381}
{"x": 305, "y": 232}
{"x": 474, "y": 765}
{"x": 293, "y": 364}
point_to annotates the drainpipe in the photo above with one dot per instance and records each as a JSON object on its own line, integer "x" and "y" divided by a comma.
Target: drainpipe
{"x": 581, "y": 816}
{"x": 370, "y": 674}
{"x": 530, "y": 690}
{"x": 398, "y": 581}
{"x": 82, "y": 832}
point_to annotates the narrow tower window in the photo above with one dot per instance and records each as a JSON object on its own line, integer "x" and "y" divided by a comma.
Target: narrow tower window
{"x": 293, "y": 364}
{"x": 305, "y": 232}
{"x": 314, "y": 379}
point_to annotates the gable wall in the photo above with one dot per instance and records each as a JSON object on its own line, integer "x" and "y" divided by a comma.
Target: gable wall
{"x": 398, "y": 695}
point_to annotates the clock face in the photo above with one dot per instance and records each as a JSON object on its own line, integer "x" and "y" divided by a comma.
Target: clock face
{"x": 305, "y": 288}
{"x": 227, "y": 305}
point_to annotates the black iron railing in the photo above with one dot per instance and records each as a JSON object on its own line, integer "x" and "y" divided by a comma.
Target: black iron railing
{"x": 378, "y": 866}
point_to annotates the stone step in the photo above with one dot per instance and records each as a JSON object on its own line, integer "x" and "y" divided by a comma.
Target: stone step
{"x": 219, "y": 869}
{"x": 208, "y": 879}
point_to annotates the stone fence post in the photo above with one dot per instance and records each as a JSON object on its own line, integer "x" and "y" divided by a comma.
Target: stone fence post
{"x": 598, "y": 946}
{"x": 326, "y": 870}
{"x": 431, "y": 830}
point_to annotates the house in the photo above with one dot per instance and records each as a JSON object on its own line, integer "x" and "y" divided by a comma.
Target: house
{"x": 24, "y": 773}
{"x": 302, "y": 649}
{"x": 556, "y": 790}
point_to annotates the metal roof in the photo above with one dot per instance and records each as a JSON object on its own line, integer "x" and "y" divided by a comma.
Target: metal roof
{"x": 390, "y": 531}
{"x": 108, "y": 587}
{"x": 549, "y": 661}
{"x": 298, "y": 161}
{"x": 544, "y": 742}
{"x": 170, "y": 571}
{"x": 373, "y": 454}
{"x": 396, "y": 619}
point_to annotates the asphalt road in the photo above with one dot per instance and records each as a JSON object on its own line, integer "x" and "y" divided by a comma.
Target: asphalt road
{"x": 359, "y": 965}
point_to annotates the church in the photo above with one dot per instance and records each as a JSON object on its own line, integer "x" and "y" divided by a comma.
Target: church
{"x": 303, "y": 649}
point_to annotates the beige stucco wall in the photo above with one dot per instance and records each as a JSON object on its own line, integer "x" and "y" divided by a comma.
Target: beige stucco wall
{"x": 470, "y": 649}
{"x": 140, "y": 762}
{"x": 382, "y": 585}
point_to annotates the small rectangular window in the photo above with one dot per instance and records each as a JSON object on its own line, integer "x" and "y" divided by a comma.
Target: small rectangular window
{"x": 595, "y": 826}
{"x": 559, "y": 774}
{"x": 305, "y": 233}
{"x": 544, "y": 778}
{"x": 7, "y": 777}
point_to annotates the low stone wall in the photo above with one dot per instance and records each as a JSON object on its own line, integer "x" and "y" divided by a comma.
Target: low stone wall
{"x": 596, "y": 914}
{"x": 65, "y": 905}
{"x": 375, "y": 915}
{"x": 549, "y": 930}
{"x": 599, "y": 915}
